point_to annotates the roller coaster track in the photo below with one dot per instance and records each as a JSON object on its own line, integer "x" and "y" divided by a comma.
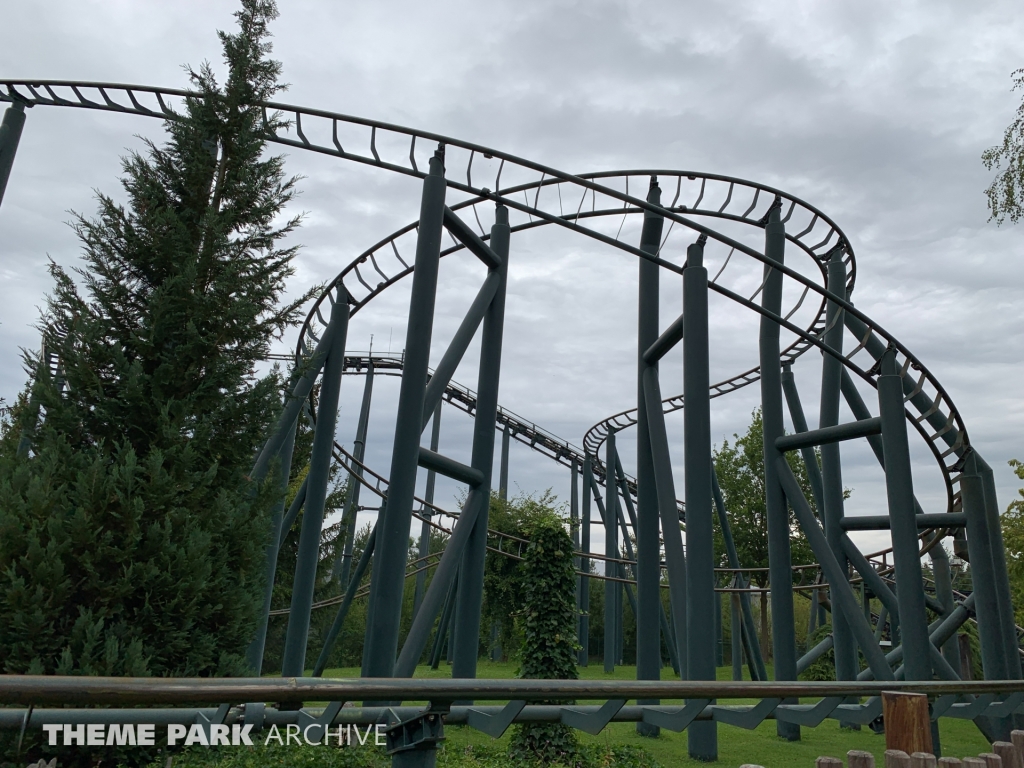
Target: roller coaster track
{"x": 394, "y": 148}
{"x": 577, "y": 203}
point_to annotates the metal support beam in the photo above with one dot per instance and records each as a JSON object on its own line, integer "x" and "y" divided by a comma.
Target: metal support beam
{"x": 503, "y": 466}
{"x": 461, "y": 231}
{"x": 385, "y": 612}
{"x": 796, "y": 413}
{"x": 343, "y": 565}
{"x": 293, "y": 663}
{"x": 831, "y": 462}
{"x": 611, "y": 550}
{"x": 1002, "y": 582}
{"x": 350, "y": 594}
{"x": 648, "y": 544}
{"x": 979, "y": 543}
{"x": 449, "y": 467}
{"x": 675, "y": 555}
{"x": 827, "y": 435}
{"x": 452, "y": 356}
{"x": 10, "y": 135}
{"x": 843, "y": 599}
{"x": 736, "y": 635}
{"x": 779, "y": 555}
{"x": 254, "y": 653}
{"x": 471, "y": 590}
{"x": 882, "y": 522}
{"x": 664, "y": 343}
{"x": 700, "y": 547}
{"x": 444, "y": 624}
{"x": 583, "y": 603}
{"x": 428, "y": 496}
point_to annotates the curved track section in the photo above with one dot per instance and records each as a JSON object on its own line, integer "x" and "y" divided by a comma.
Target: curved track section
{"x": 402, "y": 150}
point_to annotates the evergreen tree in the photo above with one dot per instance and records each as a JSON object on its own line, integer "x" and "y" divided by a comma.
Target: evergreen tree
{"x": 131, "y": 540}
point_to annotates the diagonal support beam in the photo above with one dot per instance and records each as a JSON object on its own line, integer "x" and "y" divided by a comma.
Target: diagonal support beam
{"x": 442, "y": 375}
{"x": 664, "y": 343}
{"x": 470, "y": 239}
{"x": 448, "y": 467}
{"x": 827, "y": 435}
{"x": 836, "y": 576}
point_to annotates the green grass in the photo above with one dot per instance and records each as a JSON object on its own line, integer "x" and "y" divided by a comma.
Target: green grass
{"x": 735, "y": 745}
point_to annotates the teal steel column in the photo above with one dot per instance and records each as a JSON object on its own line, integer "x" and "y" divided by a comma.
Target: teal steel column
{"x": 388, "y": 576}
{"x": 254, "y": 654}
{"x": 675, "y": 555}
{"x": 294, "y": 660}
{"x": 1002, "y": 582}
{"x": 780, "y": 561}
{"x": 903, "y": 524}
{"x": 343, "y": 565}
{"x": 983, "y": 577}
{"x": 584, "y": 595}
{"x": 471, "y": 588}
{"x": 428, "y": 496}
{"x": 796, "y": 413}
{"x": 648, "y": 544}
{"x": 700, "y": 546}
{"x": 611, "y": 550}
{"x": 503, "y": 466}
{"x": 736, "y": 635}
{"x": 831, "y": 464}
{"x": 10, "y": 135}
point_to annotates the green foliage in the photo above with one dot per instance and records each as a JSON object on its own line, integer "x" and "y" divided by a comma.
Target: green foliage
{"x": 1006, "y": 192}
{"x": 549, "y": 633}
{"x": 504, "y": 578}
{"x": 131, "y": 539}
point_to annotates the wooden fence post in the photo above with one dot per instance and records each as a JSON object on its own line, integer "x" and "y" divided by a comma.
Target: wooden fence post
{"x": 907, "y": 723}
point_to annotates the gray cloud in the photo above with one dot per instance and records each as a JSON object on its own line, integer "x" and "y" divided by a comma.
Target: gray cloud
{"x": 875, "y": 113}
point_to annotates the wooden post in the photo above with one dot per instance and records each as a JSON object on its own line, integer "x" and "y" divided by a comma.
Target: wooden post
{"x": 922, "y": 760}
{"x": 907, "y": 724}
{"x": 828, "y": 762}
{"x": 992, "y": 760}
{"x": 973, "y": 762}
{"x": 896, "y": 758}
{"x": 950, "y": 762}
{"x": 858, "y": 758}
{"x": 1009, "y": 753}
{"x": 1017, "y": 737}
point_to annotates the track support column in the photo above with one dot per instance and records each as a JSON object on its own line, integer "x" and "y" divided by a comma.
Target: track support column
{"x": 779, "y": 556}
{"x": 831, "y": 466}
{"x": 294, "y": 660}
{"x": 10, "y": 135}
{"x": 471, "y": 588}
{"x": 583, "y": 605}
{"x": 648, "y": 545}
{"x": 700, "y": 549}
{"x": 385, "y": 610}
{"x": 900, "y": 493}
{"x": 611, "y": 550}
{"x": 343, "y": 566}
{"x": 428, "y": 496}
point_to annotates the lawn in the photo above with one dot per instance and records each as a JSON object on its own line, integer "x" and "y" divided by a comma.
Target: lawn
{"x": 735, "y": 745}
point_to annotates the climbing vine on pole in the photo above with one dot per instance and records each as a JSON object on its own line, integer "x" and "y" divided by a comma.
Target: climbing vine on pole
{"x": 548, "y": 624}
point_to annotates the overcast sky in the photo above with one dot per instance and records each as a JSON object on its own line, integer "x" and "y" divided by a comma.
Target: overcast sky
{"x": 876, "y": 113}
